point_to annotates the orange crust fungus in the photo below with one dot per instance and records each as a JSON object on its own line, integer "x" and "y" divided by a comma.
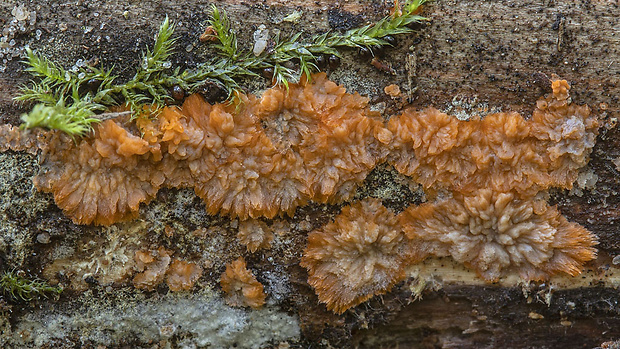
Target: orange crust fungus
{"x": 258, "y": 158}
{"x": 494, "y": 232}
{"x": 333, "y": 132}
{"x": 361, "y": 254}
{"x": 152, "y": 266}
{"x": 503, "y": 151}
{"x": 255, "y": 235}
{"x": 264, "y": 157}
{"x": 241, "y": 287}
{"x": 182, "y": 275}
{"x": 101, "y": 179}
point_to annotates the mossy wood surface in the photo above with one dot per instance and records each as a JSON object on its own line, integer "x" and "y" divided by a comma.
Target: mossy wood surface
{"x": 472, "y": 55}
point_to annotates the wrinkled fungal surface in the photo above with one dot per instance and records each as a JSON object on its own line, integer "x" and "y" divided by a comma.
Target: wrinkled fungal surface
{"x": 503, "y": 150}
{"x": 101, "y": 179}
{"x": 13, "y": 138}
{"x": 361, "y": 254}
{"x": 152, "y": 267}
{"x": 255, "y": 158}
{"x": 333, "y": 131}
{"x": 495, "y": 232}
{"x": 234, "y": 166}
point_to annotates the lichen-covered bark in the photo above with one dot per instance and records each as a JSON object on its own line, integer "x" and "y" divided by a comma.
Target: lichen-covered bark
{"x": 472, "y": 57}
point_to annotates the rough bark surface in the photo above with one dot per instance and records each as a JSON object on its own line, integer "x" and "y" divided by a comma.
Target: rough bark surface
{"x": 473, "y": 55}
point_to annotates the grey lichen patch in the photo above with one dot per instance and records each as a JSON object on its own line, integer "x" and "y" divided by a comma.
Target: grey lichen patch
{"x": 19, "y": 201}
{"x": 189, "y": 321}
{"x": 177, "y": 205}
{"x": 277, "y": 284}
{"x": 15, "y": 244}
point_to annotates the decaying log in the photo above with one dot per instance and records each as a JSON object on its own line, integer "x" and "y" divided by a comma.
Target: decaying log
{"x": 472, "y": 56}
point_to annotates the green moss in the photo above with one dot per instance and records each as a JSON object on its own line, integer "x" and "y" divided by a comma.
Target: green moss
{"x": 71, "y": 101}
{"x": 21, "y": 288}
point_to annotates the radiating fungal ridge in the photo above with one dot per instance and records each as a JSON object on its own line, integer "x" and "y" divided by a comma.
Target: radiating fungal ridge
{"x": 367, "y": 249}
{"x": 361, "y": 254}
{"x": 495, "y": 232}
{"x": 102, "y": 180}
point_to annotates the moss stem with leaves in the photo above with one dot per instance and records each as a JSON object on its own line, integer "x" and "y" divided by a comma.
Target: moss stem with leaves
{"x": 21, "y": 288}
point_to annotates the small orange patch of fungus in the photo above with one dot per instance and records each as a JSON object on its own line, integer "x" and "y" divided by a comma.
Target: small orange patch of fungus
{"x": 392, "y": 90}
{"x": 153, "y": 266}
{"x": 255, "y": 235}
{"x": 361, "y": 254}
{"x": 560, "y": 88}
{"x": 182, "y": 275}
{"x": 210, "y": 34}
{"x": 241, "y": 287}
{"x": 495, "y": 232}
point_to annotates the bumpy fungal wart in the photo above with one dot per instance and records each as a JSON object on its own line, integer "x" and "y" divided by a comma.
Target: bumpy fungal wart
{"x": 255, "y": 234}
{"x": 157, "y": 265}
{"x": 182, "y": 275}
{"x": 153, "y": 266}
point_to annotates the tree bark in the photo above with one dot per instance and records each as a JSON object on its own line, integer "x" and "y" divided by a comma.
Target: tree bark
{"x": 471, "y": 56}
